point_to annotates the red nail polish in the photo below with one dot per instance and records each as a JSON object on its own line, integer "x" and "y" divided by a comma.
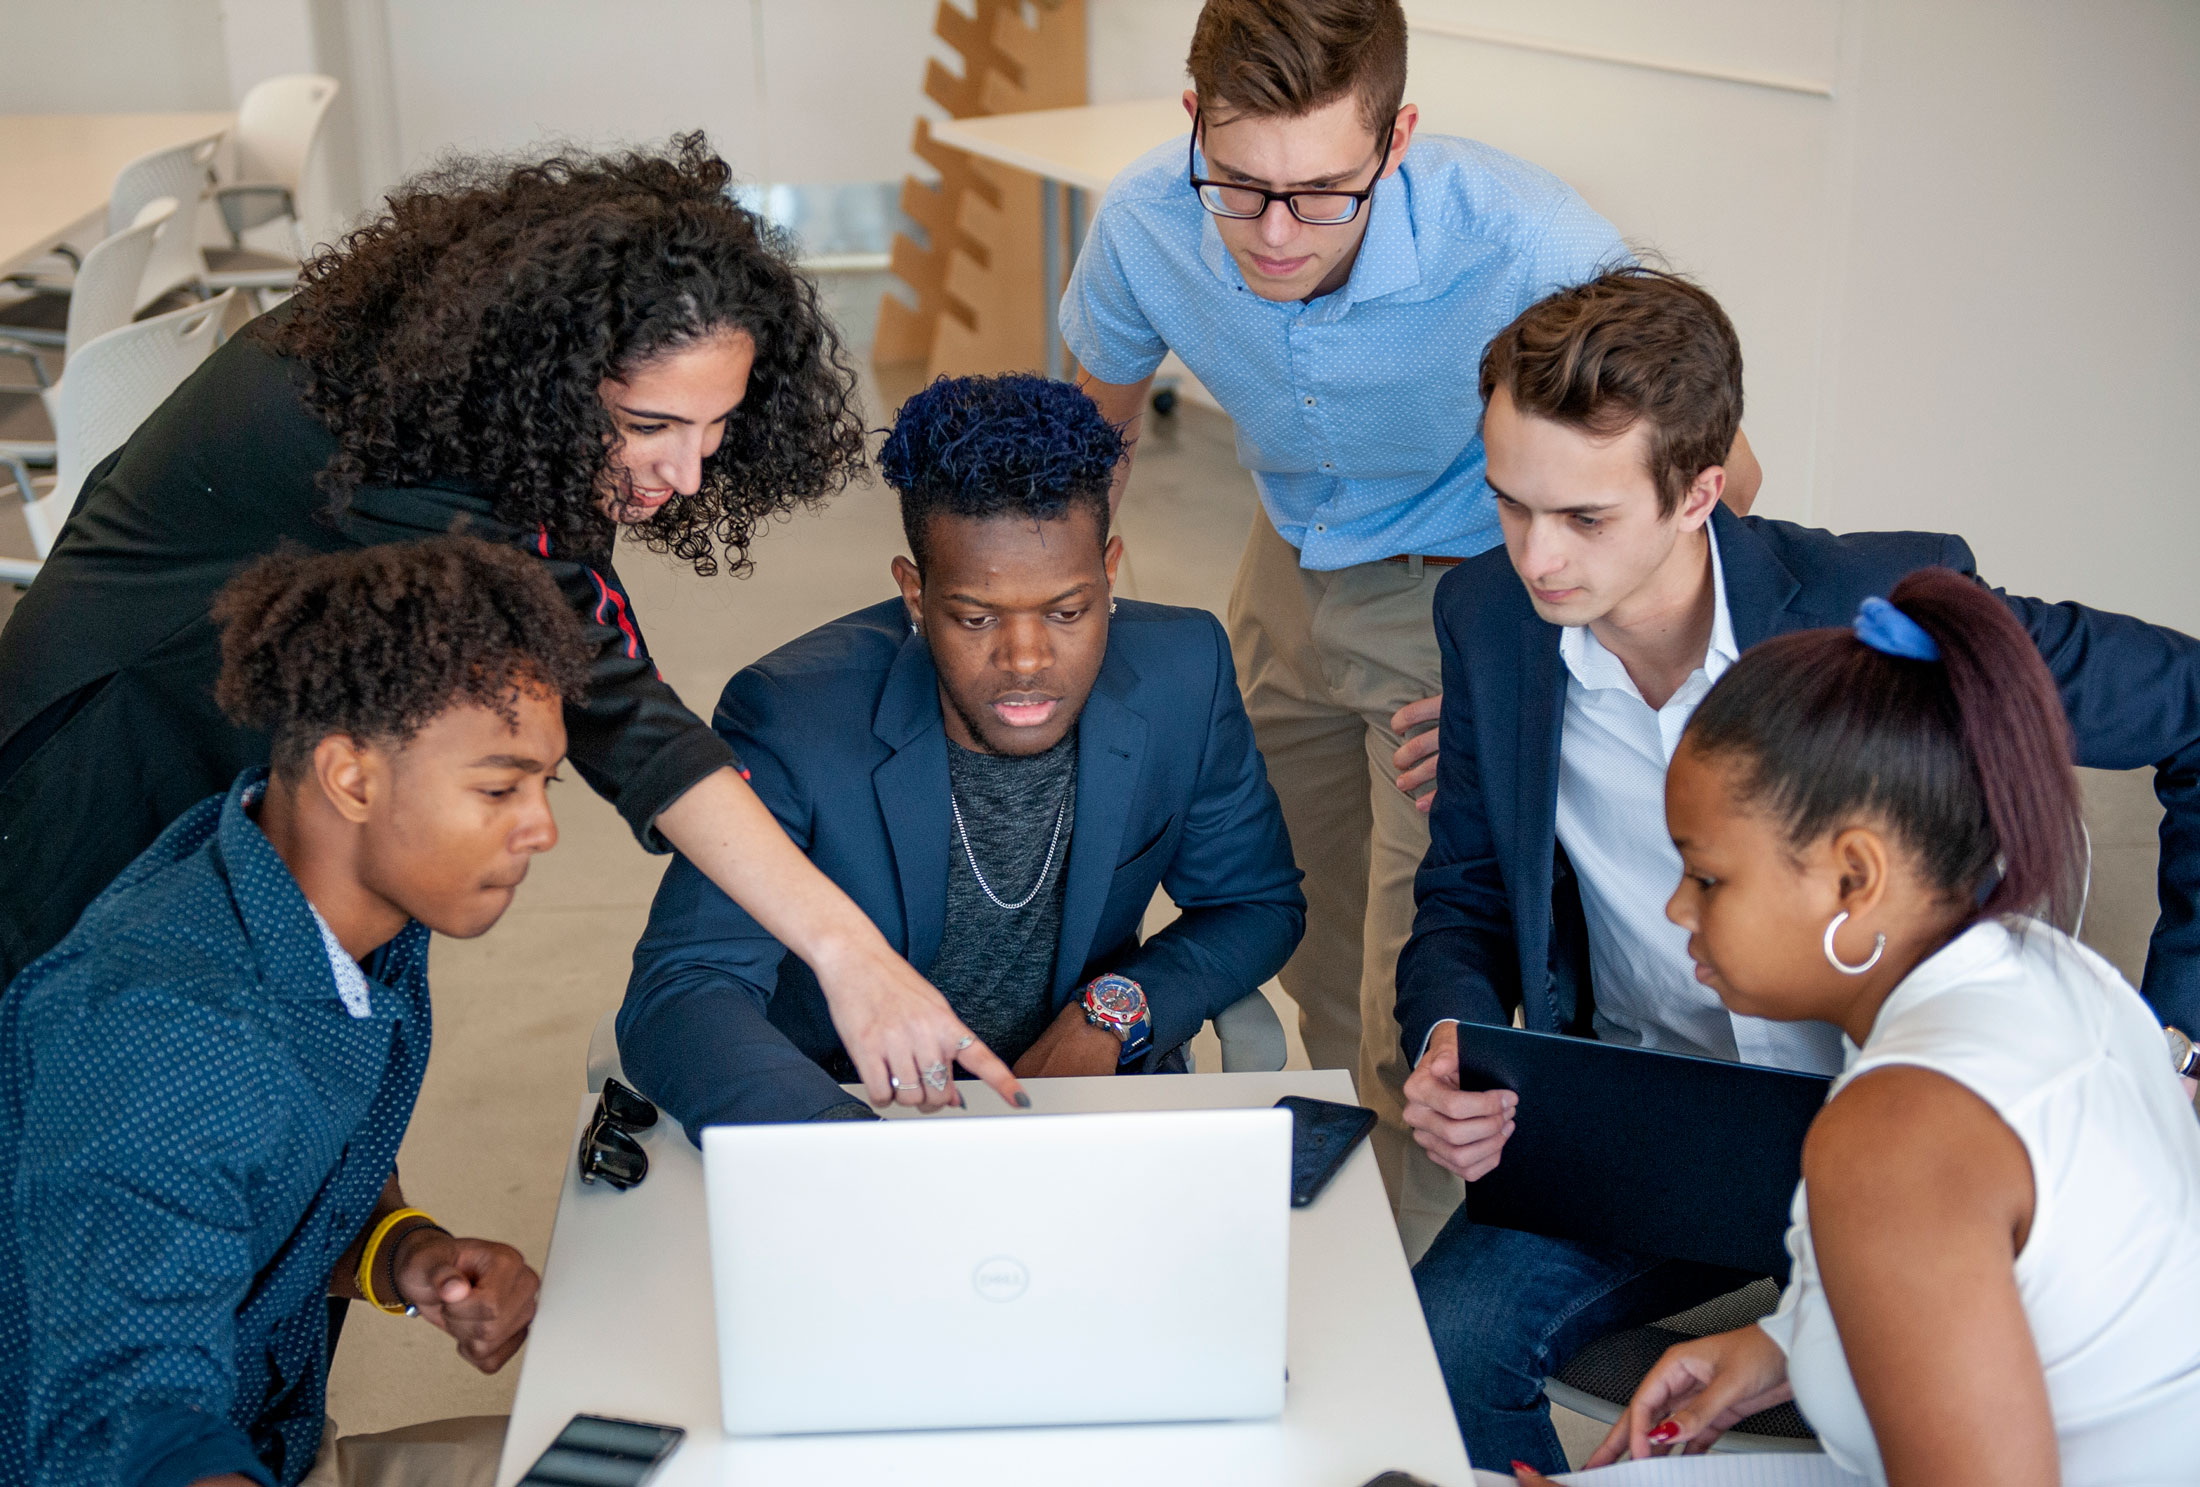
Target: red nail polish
{"x": 1666, "y": 1433}
{"x": 1522, "y": 1466}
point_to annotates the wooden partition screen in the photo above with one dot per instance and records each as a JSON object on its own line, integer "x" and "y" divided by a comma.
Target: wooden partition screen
{"x": 981, "y": 301}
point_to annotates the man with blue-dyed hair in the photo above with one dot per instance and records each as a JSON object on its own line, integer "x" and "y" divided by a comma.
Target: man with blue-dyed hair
{"x": 1000, "y": 765}
{"x": 1332, "y": 279}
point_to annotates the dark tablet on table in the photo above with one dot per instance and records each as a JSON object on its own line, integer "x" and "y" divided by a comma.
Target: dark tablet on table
{"x": 1666, "y": 1153}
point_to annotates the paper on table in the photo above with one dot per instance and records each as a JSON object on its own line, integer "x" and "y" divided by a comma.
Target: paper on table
{"x": 1753, "y": 1469}
{"x": 1741, "y": 1469}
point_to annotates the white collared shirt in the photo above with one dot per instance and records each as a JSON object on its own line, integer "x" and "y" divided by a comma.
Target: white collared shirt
{"x": 351, "y": 982}
{"x": 1612, "y": 759}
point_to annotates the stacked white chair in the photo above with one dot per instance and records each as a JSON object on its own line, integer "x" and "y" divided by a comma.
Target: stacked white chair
{"x": 105, "y": 297}
{"x": 181, "y": 173}
{"x": 112, "y": 386}
{"x": 277, "y": 126}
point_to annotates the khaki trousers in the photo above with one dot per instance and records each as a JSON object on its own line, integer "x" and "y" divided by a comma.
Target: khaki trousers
{"x": 1324, "y": 660}
{"x": 460, "y": 1452}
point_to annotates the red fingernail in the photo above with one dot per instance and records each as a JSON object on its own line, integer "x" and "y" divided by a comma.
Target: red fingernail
{"x": 1666, "y": 1433}
{"x": 1522, "y": 1466}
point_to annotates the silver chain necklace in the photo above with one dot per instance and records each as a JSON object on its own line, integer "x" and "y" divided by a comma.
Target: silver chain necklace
{"x": 1045, "y": 867}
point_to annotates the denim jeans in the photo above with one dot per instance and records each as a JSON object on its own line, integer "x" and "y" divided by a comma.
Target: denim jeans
{"x": 1508, "y": 1309}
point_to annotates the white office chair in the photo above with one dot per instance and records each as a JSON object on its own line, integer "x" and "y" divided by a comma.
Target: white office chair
{"x": 105, "y": 296}
{"x": 1252, "y": 1040}
{"x": 184, "y": 173}
{"x": 181, "y": 173}
{"x": 277, "y": 126}
{"x": 112, "y": 386}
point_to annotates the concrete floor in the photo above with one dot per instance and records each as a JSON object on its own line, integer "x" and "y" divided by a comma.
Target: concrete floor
{"x": 489, "y": 1142}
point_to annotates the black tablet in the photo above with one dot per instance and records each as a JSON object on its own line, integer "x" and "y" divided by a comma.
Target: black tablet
{"x": 1690, "y": 1158}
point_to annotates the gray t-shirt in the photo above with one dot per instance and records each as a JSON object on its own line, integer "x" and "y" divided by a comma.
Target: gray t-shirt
{"x": 996, "y": 965}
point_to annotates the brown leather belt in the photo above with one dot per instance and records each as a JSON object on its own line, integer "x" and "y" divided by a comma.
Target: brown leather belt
{"x": 1428, "y": 559}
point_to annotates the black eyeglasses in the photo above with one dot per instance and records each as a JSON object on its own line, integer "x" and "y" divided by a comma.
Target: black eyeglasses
{"x": 1329, "y": 208}
{"x": 608, "y": 1148}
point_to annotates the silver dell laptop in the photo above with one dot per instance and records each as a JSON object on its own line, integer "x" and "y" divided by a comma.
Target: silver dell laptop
{"x": 1000, "y": 1270}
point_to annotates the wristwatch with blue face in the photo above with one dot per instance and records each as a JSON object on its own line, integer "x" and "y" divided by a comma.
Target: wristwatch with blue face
{"x": 1118, "y": 1004}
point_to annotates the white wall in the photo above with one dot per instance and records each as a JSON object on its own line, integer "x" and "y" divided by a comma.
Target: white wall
{"x": 112, "y": 56}
{"x": 2015, "y": 321}
{"x": 809, "y": 91}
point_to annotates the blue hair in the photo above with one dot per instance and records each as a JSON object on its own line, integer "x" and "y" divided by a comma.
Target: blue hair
{"x": 1016, "y": 446}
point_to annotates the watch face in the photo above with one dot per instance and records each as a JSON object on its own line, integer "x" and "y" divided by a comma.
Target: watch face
{"x": 1116, "y": 1001}
{"x": 2180, "y": 1048}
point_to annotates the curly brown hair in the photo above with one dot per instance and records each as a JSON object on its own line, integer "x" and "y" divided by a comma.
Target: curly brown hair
{"x": 463, "y": 334}
{"x": 378, "y": 642}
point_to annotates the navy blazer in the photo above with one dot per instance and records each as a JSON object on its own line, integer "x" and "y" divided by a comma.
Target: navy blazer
{"x": 1499, "y": 923}
{"x": 842, "y": 736}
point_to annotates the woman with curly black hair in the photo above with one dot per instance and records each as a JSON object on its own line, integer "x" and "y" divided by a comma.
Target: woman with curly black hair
{"x": 540, "y": 355}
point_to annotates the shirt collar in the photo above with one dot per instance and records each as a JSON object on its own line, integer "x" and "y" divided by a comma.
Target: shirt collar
{"x": 1389, "y": 258}
{"x": 1596, "y": 668}
{"x": 245, "y": 846}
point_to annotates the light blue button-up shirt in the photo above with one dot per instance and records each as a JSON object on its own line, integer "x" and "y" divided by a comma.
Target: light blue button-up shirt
{"x": 1358, "y": 414}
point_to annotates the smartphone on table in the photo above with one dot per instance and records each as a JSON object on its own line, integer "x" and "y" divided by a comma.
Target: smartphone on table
{"x": 592, "y": 1451}
{"x": 1323, "y": 1134}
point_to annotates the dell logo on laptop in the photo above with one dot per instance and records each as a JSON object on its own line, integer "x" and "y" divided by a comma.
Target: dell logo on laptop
{"x": 1000, "y": 1278}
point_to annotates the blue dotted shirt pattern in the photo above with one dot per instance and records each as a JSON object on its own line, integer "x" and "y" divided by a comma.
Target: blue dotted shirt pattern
{"x": 1358, "y": 414}
{"x": 193, "y": 1128}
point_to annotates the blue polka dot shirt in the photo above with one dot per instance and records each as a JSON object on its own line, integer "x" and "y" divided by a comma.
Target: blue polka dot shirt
{"x": 193, "y": 1129}
{"x": 1359, "y": 413}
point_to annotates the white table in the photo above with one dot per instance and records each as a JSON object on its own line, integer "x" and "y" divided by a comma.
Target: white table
{"x": 1084, "y": 149}
{"x": 625, "y": 1328}
{"x": 57, "y": 169}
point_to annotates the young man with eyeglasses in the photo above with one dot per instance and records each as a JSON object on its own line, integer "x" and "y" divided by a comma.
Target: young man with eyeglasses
{"x": 1000, "y": 765}
{"x": 1331, "y": 277}
{"x": 203, "y": 1087}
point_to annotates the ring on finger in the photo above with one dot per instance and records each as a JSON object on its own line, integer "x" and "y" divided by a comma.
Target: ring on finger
{"x": 964, "y": 1042}
{"x": 893, "y": 1082}
{"x": 935, "y": 1077}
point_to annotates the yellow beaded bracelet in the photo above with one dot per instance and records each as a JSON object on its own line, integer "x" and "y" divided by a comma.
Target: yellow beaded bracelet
{"x": 367, "y": 1253}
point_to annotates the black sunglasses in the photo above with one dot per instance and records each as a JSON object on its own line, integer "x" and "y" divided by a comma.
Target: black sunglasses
{"x": 608, "y": 1149}
{"x": 1326, "y": 208}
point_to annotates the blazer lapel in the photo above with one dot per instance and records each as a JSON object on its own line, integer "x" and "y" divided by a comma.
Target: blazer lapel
{"x": 912, "y": 796}
{"x": 1111, "y": 750}
{"x": 1542, "y": 718}
{"x": 1759, "y": 587}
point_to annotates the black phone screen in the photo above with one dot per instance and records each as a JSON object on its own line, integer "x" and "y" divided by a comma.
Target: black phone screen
{"x": 592, "y": 1451}
{"x": 1323, "y": 1134}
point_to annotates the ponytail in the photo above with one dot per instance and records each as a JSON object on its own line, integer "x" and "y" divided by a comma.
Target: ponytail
{"x": 1965, "y": 757}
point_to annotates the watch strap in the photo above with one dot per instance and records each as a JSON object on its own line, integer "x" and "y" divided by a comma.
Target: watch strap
{"x": 1137, "y": 1038}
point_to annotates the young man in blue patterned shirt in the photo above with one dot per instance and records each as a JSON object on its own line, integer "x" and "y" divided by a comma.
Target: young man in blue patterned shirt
{"x": 1333, "y": 283}
{"x": 203, "y": 1087}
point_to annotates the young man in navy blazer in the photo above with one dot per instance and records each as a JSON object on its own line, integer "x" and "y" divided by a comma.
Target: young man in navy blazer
{"x": 1572, "y": 661}
{"x": 1000, "y": 766}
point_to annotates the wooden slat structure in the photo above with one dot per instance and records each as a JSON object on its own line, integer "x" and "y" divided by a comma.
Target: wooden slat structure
{"x": 981, "y": 303}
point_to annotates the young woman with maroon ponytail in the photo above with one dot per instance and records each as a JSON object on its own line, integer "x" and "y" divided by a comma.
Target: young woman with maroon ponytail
{"x": 1997, "y": 1238}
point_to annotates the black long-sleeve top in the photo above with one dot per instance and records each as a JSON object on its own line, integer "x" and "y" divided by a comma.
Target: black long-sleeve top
{"x": 108, "y": 727}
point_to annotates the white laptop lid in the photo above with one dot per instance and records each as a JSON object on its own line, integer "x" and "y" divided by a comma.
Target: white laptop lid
{"x": 1000, "y": 1270}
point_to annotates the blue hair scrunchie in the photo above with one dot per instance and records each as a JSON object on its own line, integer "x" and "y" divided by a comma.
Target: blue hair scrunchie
{"x": 1890, "y": 632}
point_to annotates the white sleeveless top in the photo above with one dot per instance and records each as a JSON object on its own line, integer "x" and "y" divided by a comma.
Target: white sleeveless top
{"x": 2049, "y": 1035}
